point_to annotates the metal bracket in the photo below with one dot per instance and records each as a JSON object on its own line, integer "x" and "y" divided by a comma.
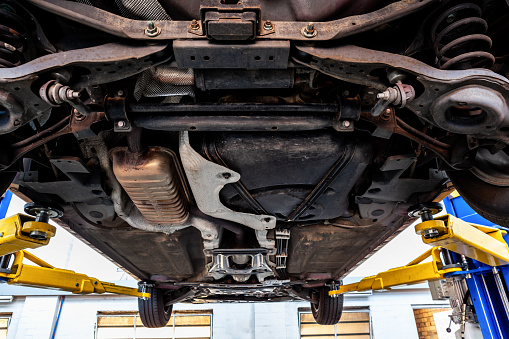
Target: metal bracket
{"x": 254, "y": 259}
{"x": 207, "y": 179}
{"x": 116, "y": 112}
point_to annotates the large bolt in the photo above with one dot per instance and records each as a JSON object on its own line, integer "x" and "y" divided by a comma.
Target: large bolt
{"x": 152, "y": 30}
{"x": 309, "y": 31}
{"x": 385, "y": 95}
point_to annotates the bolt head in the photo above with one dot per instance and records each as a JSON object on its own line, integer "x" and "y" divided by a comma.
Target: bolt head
{"x": 267, "y": 25}
{"x": 121, "y": 124}
{"x": 346, "y": 123}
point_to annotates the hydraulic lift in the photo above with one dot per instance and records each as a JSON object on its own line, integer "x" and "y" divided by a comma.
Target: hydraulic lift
{"x": 469, "y": 266}
{"x": 20, "y": 232}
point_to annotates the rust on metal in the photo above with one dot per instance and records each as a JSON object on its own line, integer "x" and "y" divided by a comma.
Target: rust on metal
{"x": 154, "y": 182}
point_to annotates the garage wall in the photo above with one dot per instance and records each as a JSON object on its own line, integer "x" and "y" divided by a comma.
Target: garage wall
{"x": 34, "y": 316}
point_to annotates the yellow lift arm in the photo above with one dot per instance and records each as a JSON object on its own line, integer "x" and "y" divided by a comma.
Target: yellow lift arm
{"x": 413, "y": 273}
{"x": 17, "y": 233}
{"x": 482, "y": 243}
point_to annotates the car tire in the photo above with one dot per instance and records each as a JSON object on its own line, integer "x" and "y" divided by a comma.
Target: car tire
{"x": 490, "y": 201}
{"x": 153, "y": 313}
{"x": 328, "y": 310}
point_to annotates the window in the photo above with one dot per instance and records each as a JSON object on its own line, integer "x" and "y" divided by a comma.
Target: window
{"x": 128, "y": 325}
{"x": 354, "y": 324}
{"x": 4, "y": 324}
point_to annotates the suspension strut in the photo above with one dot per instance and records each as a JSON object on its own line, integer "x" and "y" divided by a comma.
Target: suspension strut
{"x": 459, "y": 38}
{"x": 13, "y": 36}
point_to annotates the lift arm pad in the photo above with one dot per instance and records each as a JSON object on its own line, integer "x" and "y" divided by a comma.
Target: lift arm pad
{"x": 15, "y": 233}
{"x": 482, "y": 243}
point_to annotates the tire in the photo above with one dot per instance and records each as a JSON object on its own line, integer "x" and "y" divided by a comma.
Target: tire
{"x": 328, "y": 310}
{"x": 490, "y": 201}
{"x": 153, "y": 313}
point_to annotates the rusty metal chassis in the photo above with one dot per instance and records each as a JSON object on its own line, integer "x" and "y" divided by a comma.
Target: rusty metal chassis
{"x": 352, "y": 64}
{"x": 281, "y": 30}
{"x": 359, "y": 65}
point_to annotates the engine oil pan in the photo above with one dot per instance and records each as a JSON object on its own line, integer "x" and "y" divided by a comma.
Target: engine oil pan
{"x": 154, "y": 182}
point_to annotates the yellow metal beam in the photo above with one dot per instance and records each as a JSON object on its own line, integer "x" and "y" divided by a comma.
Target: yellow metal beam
{"x": 15, "y": 233}
{"x": 414, "y": 272}
{"x": 46, "y": 276}
{"x": 482, "y": 243}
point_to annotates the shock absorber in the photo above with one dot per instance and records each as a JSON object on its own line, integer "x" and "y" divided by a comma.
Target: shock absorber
{"x": 459, "y": 38}
{"x": 13, "y": 36}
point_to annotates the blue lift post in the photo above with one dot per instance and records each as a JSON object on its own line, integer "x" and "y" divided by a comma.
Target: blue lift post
{"x": 487, "y": 285}
{"x": 4, "y": 203}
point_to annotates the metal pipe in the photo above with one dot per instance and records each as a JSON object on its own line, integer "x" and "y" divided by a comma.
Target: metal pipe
{"x": 232, "y": 123}
{"x": 501, "y": 290}
{"x": 261, "y": 109}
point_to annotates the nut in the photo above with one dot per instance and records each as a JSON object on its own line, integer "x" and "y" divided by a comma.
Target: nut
{"x": 309, "y": 31}
{"x": 152, "y": 30}
{"x": 267, "y": 25}
{"x": 195, "y": 24}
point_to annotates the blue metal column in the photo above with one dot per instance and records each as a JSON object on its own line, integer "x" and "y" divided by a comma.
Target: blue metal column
{"x": 487, "y": 296}
{"x": 4, "y": 204}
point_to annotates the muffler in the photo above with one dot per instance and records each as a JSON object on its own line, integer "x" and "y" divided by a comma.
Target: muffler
{"x": 154, "y": 182}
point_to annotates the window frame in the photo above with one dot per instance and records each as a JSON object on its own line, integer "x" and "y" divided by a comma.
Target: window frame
{"x": 351, "y": 309}
{"x": 7, "y": 316}
{"x": 136, "y": 315}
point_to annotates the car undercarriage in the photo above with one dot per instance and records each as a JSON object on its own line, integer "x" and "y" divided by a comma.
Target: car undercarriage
{"x": 224, "y": 150}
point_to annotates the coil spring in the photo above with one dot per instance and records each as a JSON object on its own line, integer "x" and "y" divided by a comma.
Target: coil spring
{"x": 13, "y": 37}
{"x": 459, "y": 38}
